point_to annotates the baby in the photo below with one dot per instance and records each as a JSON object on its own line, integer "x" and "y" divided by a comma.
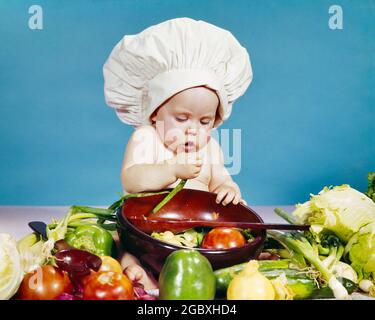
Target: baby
{"x": 175, "y": 82}
{"x": 157, "y": 155}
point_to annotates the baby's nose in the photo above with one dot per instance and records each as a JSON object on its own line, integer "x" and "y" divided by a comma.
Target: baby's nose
{"x": 192, "y": 131}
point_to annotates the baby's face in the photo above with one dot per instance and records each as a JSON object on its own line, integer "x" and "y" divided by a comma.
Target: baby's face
{"x": 185, "y": 121}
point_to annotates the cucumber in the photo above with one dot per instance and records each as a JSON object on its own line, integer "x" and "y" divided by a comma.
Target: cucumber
{"x": 299, "y": 282}
{"x": 326, "y": 292}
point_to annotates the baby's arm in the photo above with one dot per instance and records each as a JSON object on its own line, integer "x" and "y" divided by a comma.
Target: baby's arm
{"x": 140, "y": 171}
{"x": 221, "y": 182}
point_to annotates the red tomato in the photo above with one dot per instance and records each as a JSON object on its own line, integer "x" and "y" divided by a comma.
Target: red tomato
{"x": 108, "y": 285}
{"x": 44, "y": 283}
{"x": 223, "y": 238}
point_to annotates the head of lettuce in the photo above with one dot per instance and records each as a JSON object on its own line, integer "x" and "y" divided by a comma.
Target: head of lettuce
{"x": 350, "y": 215}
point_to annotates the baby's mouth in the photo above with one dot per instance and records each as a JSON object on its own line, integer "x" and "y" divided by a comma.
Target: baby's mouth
{"x": 189, "y": 146}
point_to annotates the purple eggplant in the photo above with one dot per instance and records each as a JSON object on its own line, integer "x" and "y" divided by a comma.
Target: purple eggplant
{"x": 78, "y": 264}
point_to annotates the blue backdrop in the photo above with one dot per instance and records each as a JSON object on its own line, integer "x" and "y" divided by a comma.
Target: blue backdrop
{"x": 307, "y": 120}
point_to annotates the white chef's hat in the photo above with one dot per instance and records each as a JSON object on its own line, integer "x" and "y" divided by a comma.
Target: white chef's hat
{"x": 146, "y": 69}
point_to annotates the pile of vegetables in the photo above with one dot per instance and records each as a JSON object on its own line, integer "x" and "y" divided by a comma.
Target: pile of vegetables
{"x": 74, "y": 262}
{"x": 341, "y": 240}
{"x": 288, "y": 281}
{"x": 331, "y": 260}
{"x": 77, "y": 257}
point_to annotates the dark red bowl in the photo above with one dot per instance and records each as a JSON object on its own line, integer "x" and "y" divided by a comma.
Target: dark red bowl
{"x": 187, "y": 204}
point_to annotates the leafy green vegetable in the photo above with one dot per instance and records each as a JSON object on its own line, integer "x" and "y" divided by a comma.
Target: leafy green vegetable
{"x": 331, "y": 250}
{"x": 11, "y": 273}
{"x": 371, "y": 186}
{"x": 361, "y": 252}
{"x": 248, "y": 235}
{"x": 34, "y": 251}
{"x": 348, "y": 214}
{"x": 342, "y": 210}
{"x": 271, "y": 244}
{"x": 331, "y": 246}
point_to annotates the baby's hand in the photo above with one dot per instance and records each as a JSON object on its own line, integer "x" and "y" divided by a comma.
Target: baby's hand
{"x": 187, "y": 165}
{"x": 229, "y": 192}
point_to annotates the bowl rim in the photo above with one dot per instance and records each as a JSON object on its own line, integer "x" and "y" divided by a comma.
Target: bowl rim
{"x": 257, "y": 240}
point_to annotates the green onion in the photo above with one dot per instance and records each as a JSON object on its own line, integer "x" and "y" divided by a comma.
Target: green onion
{"x": 285, "y": 215}
{"x": 169, "y": 196}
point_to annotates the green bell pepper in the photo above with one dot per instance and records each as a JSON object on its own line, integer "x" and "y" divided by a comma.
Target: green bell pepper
{"x": 186, "y": 274}
{"x": 92, "y": 238}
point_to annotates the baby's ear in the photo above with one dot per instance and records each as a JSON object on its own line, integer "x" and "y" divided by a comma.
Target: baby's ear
{"x": 153, "y": 116}
{"x": 217, "y": 116}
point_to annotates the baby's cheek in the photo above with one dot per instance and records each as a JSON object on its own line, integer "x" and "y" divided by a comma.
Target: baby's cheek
{"x": 204, "y": 139}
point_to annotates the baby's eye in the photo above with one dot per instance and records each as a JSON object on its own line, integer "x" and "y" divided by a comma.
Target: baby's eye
{"x": 205, "y": 121}
{"x": 181, "y": 119}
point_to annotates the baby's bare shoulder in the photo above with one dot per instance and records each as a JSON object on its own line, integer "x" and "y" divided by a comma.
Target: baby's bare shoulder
{"x": 143, "y": 132}
{"x": 143, "y": 136}
{"x": 214, "y": 151}
{"x": 141, "y": 147}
